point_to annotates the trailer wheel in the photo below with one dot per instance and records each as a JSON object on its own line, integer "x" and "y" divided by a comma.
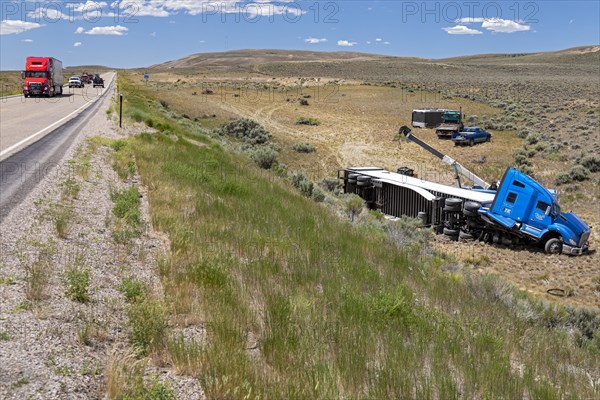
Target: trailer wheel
{"x": 451, "y": 232}
{"x": 472, "y": 206}
{"x": 452, "y": 205}
{"x": 465, "y": 236}
{"x": 553, "y": 246}
{"x": 469, "y": 213}
{"x": 363, "y": 180}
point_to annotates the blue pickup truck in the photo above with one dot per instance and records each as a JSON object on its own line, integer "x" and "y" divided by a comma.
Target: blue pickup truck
{"x": 470, "y": 136}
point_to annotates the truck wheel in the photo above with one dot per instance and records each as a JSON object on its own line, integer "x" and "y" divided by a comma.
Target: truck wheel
{"x": 471, "y": 142}
{"x": 553, "y": 246}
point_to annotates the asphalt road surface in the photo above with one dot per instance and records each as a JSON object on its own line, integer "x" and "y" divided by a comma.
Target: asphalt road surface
{"x": 22, "y": 118}
{"x": 40, "y": 131}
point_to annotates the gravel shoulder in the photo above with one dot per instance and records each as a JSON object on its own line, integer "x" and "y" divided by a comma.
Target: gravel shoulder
{"x": 52, "y": 347}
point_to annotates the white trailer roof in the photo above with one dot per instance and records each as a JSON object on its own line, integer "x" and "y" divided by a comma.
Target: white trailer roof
{"x": 419, "y": 184}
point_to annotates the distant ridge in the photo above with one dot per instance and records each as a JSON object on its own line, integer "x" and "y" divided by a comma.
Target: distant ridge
{"x": 252, "y": 57}
{"x": 247, "y": 57}
{"x": 582, "y": 54}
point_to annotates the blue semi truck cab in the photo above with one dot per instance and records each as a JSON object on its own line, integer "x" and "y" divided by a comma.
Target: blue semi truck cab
{"x": 524, "y": 207}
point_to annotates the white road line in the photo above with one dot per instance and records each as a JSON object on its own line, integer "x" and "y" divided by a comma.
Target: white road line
{"x": 46, "y": 129}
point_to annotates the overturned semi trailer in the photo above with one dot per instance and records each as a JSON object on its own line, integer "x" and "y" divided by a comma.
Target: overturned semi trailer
{"x": 397, "y": 195}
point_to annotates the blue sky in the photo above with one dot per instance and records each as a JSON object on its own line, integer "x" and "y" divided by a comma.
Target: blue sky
{"x": 138, "y": 33}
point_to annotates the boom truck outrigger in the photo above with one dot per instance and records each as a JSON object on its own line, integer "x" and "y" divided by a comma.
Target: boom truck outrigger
{"x": 520, "y": 210}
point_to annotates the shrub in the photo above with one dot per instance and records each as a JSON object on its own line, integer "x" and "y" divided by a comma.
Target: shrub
{"x": 407, "y": 231}
{"x": 354, "y": 206}
{"x": 317, "y": 194}
{"x": 77, "y": 280}
{"x": 576, "y": 174}
{"x": 527, "y": 169}
{"x": 247, "y": 130}
{"x": 533, "y": 137}
{"x": 302, "y": 183}
{"x": 264, "y": 157}
{"x": 304, "y": 102}
{"x": 331, "y": 185}
{"x": 133, "y": 289}
{"x": 592, "y": 163}
{"x": 304, "y": 148}
{"x": 308, "y": 121}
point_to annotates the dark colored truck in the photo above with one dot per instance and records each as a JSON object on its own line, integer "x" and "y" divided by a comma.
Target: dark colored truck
{"x": 451, "y": 124}
{"x": 98, "y": 81}
{"x": 471, "y": 136}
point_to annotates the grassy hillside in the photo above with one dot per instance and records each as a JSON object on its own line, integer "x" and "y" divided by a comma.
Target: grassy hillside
{"x": 269, "y": 294}
{"x": 10, "y": 83}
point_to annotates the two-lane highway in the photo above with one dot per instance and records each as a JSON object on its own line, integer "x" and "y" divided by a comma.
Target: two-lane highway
{"x": 36, "y": 133}
{"x": 25, "y": 120}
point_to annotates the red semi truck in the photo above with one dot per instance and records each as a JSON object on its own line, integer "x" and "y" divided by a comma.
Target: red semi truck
{"x": 43, "y": 77}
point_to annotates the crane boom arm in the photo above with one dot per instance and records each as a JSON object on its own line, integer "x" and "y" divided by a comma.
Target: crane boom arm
{"x": 458, "y": 168}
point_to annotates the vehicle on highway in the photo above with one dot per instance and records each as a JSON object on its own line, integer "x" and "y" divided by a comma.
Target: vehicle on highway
{"x": 470, "y": 136}
{"x": 76, "y": 81}
{"x": 86, "y": 78}
{"x": 43, "y": 77}
{"x": 98, "y": 81}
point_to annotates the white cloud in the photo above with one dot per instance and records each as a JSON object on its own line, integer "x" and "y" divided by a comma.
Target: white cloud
{"x": 313, "y": 40}
{"x": 368, "y": 42}
{"x": 79, "y": 30}
{"x": 77, "y": 44}
{"x": 50, "y": 13}
{"x": 462, "y": 30}
{"x": 493, "y": 24}
{"x": 504, "y": 25}
{"x": 379, "y": 40}
{"x": 469, "y": 20}
{"x": 108, "y": 30}
{"x": 386, "y": 43}
{"x": 89, "y": 6}
{"x": 345, "y": 43}
{"x": 27, "y": 40}
{"x": 153, "y": 34}
{"x": 9, "y": 26}
{"x": 149, "y": 8}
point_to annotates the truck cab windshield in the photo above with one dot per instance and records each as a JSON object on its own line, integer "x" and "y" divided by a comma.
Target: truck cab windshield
{"x": 36, "y": 74}
{"x": 555, "y": 210}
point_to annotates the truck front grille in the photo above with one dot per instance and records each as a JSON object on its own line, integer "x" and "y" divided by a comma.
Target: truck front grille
{"x": 35, "y": 87}
{"x": 584, "y": 238}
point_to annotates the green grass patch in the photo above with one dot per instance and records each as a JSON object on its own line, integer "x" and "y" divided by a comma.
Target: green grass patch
{"x": 308, "y": 121}
{"x": 333, "y": 309}
{"x": 77, "y": 280}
